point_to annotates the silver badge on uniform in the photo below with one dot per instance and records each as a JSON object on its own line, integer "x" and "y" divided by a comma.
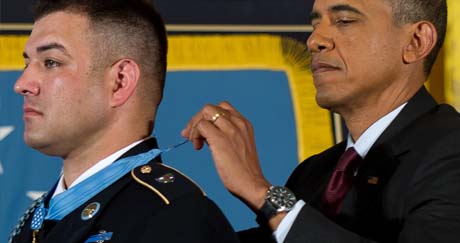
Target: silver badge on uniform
{"x": 90, "y": 210}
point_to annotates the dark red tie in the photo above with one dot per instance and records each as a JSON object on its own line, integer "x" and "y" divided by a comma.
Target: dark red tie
{"x": 340, "y": 182}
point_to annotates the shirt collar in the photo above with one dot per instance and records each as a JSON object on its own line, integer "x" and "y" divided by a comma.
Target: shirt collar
{"x": 368, "y": 138}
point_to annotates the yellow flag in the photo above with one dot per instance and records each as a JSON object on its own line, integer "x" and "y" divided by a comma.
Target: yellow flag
{"x": 452, "y": 55}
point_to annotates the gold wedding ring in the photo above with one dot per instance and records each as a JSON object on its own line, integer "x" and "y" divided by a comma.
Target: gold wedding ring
{"x": 216, "y": 116}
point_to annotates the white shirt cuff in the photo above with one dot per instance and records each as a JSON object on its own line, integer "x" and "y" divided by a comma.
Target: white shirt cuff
{"x": 287, "y": 222}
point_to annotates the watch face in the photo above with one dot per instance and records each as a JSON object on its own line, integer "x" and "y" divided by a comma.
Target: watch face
{"x": 281, "y": 198}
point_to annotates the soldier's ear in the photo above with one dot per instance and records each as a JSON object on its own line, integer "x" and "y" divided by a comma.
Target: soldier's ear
{"x": 124, "y": 78}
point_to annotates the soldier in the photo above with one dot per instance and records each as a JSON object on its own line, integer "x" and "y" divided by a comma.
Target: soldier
{"x": 93, "y": 80}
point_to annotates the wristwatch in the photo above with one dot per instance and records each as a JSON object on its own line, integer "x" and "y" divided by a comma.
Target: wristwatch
{"x": 278, "y": 199}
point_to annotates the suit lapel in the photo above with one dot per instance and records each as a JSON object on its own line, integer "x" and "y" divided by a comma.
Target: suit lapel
{"x": 380, "y": 165}
{"x": 383, "y": 158}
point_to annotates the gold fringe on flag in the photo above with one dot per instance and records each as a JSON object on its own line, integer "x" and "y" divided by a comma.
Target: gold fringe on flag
{"x": 452, "y": 55}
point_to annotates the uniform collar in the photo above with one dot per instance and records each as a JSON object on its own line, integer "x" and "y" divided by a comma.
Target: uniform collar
{"x": 60, "y": 187}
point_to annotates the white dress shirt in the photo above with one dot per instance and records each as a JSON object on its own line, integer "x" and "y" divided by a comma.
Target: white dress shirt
{"x": 362, "y": 147}
{"x": 60, "y": 188}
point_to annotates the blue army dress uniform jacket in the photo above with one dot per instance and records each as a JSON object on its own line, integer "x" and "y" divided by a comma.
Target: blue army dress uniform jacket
{"x": 152, "y": 203}
{"x": 407, "y": 189}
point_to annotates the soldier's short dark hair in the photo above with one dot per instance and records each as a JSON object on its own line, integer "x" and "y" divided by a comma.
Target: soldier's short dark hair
{"x": 129, "y": 28}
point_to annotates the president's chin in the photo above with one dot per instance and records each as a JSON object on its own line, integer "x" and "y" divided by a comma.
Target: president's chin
{"x": 326, "y": 102}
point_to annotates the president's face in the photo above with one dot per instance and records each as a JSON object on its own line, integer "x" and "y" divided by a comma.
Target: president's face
{"x": 356, "y": 50}
{"x": 65, "y": 100}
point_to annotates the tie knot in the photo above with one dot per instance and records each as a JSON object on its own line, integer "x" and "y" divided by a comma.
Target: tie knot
{"x": 349, "y": 161}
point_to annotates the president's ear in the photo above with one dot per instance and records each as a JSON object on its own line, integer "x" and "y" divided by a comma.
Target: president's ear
{"x": 124, "y": 77}
{"x": 422, "y": 39}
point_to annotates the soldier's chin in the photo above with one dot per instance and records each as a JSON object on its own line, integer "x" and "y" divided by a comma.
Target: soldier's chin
{"x": 39, "y": 144}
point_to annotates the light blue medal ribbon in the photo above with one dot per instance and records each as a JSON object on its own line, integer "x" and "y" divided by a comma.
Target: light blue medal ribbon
{"x": 66, "y": 202}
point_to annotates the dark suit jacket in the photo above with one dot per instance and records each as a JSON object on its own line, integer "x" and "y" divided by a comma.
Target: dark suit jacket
{"x": 407, "y": 189}
{"x": 134, "y": 212}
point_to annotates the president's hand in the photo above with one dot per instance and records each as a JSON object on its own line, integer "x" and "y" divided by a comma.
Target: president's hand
{"x": 230, "y": 138}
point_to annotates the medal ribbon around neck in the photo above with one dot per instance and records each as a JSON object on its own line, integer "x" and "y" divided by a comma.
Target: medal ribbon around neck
{"x": 66, "y": 202}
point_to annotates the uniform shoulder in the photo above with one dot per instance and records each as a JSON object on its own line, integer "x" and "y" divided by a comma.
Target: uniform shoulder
{"x": 166, "y": 182}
